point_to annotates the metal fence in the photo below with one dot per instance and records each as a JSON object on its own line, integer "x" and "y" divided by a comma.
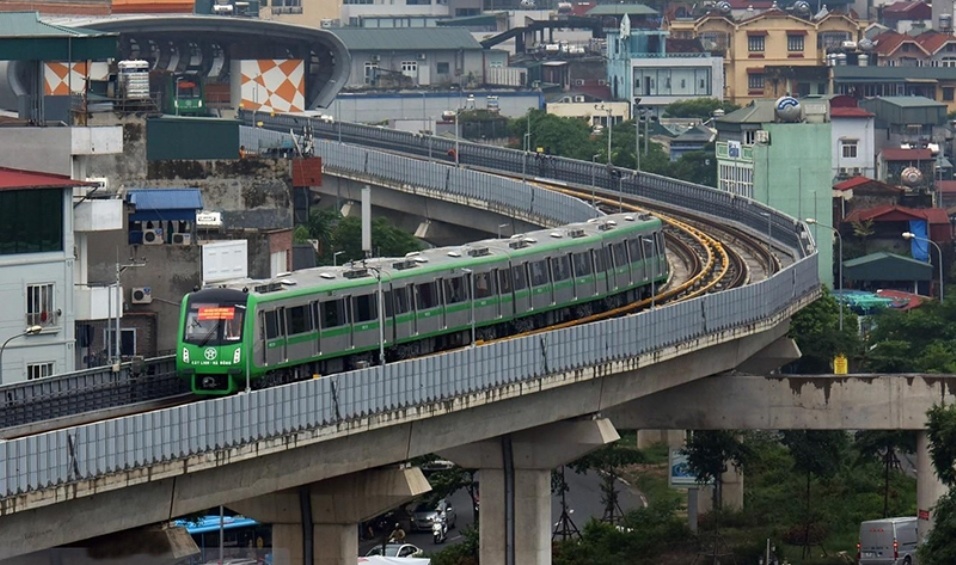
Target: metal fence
{"x": 89, "y": 451}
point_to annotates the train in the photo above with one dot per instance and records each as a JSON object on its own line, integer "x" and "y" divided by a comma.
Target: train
{"x": 324, "y": 320}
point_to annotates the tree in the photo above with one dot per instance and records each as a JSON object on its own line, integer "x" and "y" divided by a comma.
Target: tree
{"x": 816, "y": 331}
{"x": 920, "y": 340}
{"x": 608, "y": 461}
{"x": 939, "y": 548}
{"x": 321, "y": 226}
{"x": 568, "y": 137}
{"x": 702, "y": 108}
{"x": 863, "y": 230}
{"x": 709, "y": 451}
{"x": 387, "y": 240}
{"x": 697, "y": 166}
{"x": 816, "y": 453}
{"x": 884, "y": 447}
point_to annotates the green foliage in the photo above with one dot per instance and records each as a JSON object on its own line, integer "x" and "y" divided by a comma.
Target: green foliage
{"x": 702, "y": 108}
{"x": 919, "y": 340}
{"x": 387, "y": 240}
{"x": 697, "y": 166}
{"x": 708, "y": 452}
{"x": 939, "y": 549}
{"x": 321, "y": 226}
{"x": 568, "y": 137}
{"x": 608, "y": 461}
{"x": 884, "y": 448}
{"x": 816, "y": 331}
{"x": 301, "y": 234}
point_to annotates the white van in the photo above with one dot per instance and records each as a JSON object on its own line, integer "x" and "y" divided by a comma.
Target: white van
{"x": 890, "y": 541}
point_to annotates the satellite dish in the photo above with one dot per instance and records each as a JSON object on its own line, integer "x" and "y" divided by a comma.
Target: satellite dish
{"x": 787, "y": 109}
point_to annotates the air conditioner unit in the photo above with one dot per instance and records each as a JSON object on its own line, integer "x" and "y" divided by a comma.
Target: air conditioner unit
{"x": 141, "y": 295}
{"x": 153, "y": 236}
{"x": 602, "y": 82}
{"x": 375, "y": 58}
{"x": 857, "y": 171}
{"x": 844, "y": 173}
{"x": 182, "y": 238}
{"x": 578, "y": 82}
{"x": 422, "y": 56}
{"x": 579, "y": 99}
{"x": 762, "y": 136}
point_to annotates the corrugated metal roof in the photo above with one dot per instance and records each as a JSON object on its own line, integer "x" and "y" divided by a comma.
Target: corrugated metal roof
{"x": 165, "y": 199}
{"x": 16, "y": 179}
{"x": 911, "y": 101}
{"x": 760, "y": 112}
{"x": 28, "y": 24}
{"x": 621, "y": 9}
{"x": 407, "y": 39}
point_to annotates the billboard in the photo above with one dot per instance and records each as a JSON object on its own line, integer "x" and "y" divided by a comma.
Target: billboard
{"x": 60, "y": 77}
{"x": 679, "y": 474}
{"x": 224, "y": 260}
{"x": 269, "y": 85}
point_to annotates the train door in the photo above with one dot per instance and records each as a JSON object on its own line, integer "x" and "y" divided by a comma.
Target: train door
{"x": 428, "y": 307}
{"x": 621, "y": 267}
{"x": 563, "y": 281}
{"x": 457, "y": 301}
{"x": 365, "y": 319}
{"x": 334, "y": 330}
{"x": 273, "y": 322}
{"x": 487, "y": 305}
{"x": 403, "y": 312}
{"x": 506, "y": 298}
{"x": 300, "y": 325}
{"x": 522, "y": 292}
{"x": 585, "y": 287}
{"x": 539, "y": 280}
{"x": 602, "y": 270}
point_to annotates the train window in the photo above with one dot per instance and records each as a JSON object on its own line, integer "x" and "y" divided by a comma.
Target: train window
{"x": 539, "y": 272}
{"x": 456, "y": 290}
{"x": 484, "y": 285}
{"x": 520, "y": 279}
{"x": 388, "y": 303}
{"x": 620, "y": 254}
{"x": 504, "y": 280}
{"x": 272, "y": 324}
{"x": 600, "y": 260}
{"x": 364, "y": 308}
{"x": 333, "y": 313}
{"x": 300, "y": 320}
{"x": 582, "y": 264}
{"x": 401, "y": 301}
{"x": 560, "y": 268}
{"x": 427, "y": 295}
{"x": 635, "y": 247}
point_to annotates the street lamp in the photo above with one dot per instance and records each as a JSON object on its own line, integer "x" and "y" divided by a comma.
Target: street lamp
{"x": 498, "y": 233}
{"x": 526, "y": 146}
{"x": 910, "y": 235}
{"x": 637, "y": 135}
{"x": 603, "y": 108}
{"x": 381, "y": 314}
{"x": 335, "y": 258}
{"x": 32, "y": 330}
{"x": 471, "y": 284}
{"x": 814, "y": 222}
{"x": 593, "y": 172}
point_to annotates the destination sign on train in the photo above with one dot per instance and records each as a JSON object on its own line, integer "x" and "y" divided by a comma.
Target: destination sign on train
{"x": 217, "y": 313}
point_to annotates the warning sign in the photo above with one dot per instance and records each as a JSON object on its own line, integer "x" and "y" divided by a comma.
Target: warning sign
{"x": 924, "y": 514}
{"x": 217, "y": 313}
{"x": 840, "y": 365}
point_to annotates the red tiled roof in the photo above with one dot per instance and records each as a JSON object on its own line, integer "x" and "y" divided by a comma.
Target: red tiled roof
{"x": 15, "y": 179}
{"x": 851, "y": 183}
{"x": 946, "y": 185}
{"x": 933, "y": 41}
{"x": 931, "y": 215}
{"x": 888, "y": 42}
{"x": 845, "y": 112}
{"x": 901, "y": 7}
{"x": 897, "y": 154}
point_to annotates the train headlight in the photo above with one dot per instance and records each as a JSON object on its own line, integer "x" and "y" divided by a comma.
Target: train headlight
{"x": 237, "y": 355}
{"x": 209, "y": 382}
{"x": 185, "y": 355}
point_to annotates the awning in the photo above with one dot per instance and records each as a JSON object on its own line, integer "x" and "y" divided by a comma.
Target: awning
{"x": 164, "y": 204}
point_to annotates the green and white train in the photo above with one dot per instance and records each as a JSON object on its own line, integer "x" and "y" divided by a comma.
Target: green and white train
{"x": 327, "y": 319}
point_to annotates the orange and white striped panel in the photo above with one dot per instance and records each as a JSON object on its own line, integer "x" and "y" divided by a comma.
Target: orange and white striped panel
{"x": 59, "y": 76}
{"x": 273, "y": 85}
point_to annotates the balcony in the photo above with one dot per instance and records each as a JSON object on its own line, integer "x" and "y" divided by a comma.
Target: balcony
{"x": 286, "y": 10}
{"x": 95, "y": 303}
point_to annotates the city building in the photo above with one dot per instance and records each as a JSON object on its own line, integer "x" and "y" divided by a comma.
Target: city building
{"x": 643, "y": 62}
{"x": 412, "y": 58}
{"x": 772, "y": 53}
{"x": 854, "y": 131}
{"x": 904, "y": 16}
{"x": 779, "y": 153}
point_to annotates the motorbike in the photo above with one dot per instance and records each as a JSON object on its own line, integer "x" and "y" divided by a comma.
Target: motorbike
{"x": 440, "y": 530}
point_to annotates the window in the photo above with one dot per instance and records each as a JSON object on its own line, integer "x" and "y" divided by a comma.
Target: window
{"x": 40, "y": 307}
{"x": 442, "y": 68}
{"x": 299, "y": 320}
{"x": 620, "y": 254}
{"x": 582, "y": 264}
{"x": 636, "y": 252}
{"x": 427, "y": 295}
{"x": 520, "y": 277}
{"x": 371, "y": 71}
{"x": 948, "y": 93}
{"x": 364, "y": 308}
{"x": 272, "y": 324}
{"x": 504, "y": 280}
{"x": 560, "y": 268}
{"x": 410, "y": 68}
{"x": 755, "y": 43}
{"x": 401, "y": 300}
{"x": 849, "y": 149}
{"x": 947, "y": 62}
{"x": 755, "y": 81}
{"x": 484, "y": 285}
{"x": 127, "y": 341}
{"x": 456, "y": 290}
{"x": 795, "y": 43}
{"x": 39, "y": 370}
{"x": 539, "y": 272}
{"x": 333, "y": 313}
{"x": 600, "y": 260}
{"x": 31, "y": 221}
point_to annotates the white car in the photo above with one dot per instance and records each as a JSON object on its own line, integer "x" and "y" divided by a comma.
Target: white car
{"x": 396, "y": 550}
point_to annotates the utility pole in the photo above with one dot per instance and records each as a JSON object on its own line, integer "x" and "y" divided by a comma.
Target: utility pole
{"x": 118, "y": 351}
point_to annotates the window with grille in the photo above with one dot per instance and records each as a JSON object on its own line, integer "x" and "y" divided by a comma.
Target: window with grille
{"x": 409, "y": 68}
{"x": 795, "y": 43}
{"x": 39, "y": 370}
{"x": 40, "y": 308}
{"x": 849, "y": 149}
{"x": 755, "y": 43}
{"x": 755, "y": 81}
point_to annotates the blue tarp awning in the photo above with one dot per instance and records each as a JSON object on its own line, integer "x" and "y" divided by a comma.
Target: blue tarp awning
{"x": 165, "y": 204}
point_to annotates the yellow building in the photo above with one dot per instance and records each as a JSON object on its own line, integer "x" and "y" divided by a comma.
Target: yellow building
{"x": 772, "y": 53}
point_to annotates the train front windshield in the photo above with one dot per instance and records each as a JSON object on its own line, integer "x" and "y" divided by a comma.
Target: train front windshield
{"x": 214, "y": 324}
{"x": 187, "y": 90}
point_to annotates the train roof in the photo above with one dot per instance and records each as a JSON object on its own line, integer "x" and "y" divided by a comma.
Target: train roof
{"x": 211, "y": 523}
{"x": 472, "y": 254}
